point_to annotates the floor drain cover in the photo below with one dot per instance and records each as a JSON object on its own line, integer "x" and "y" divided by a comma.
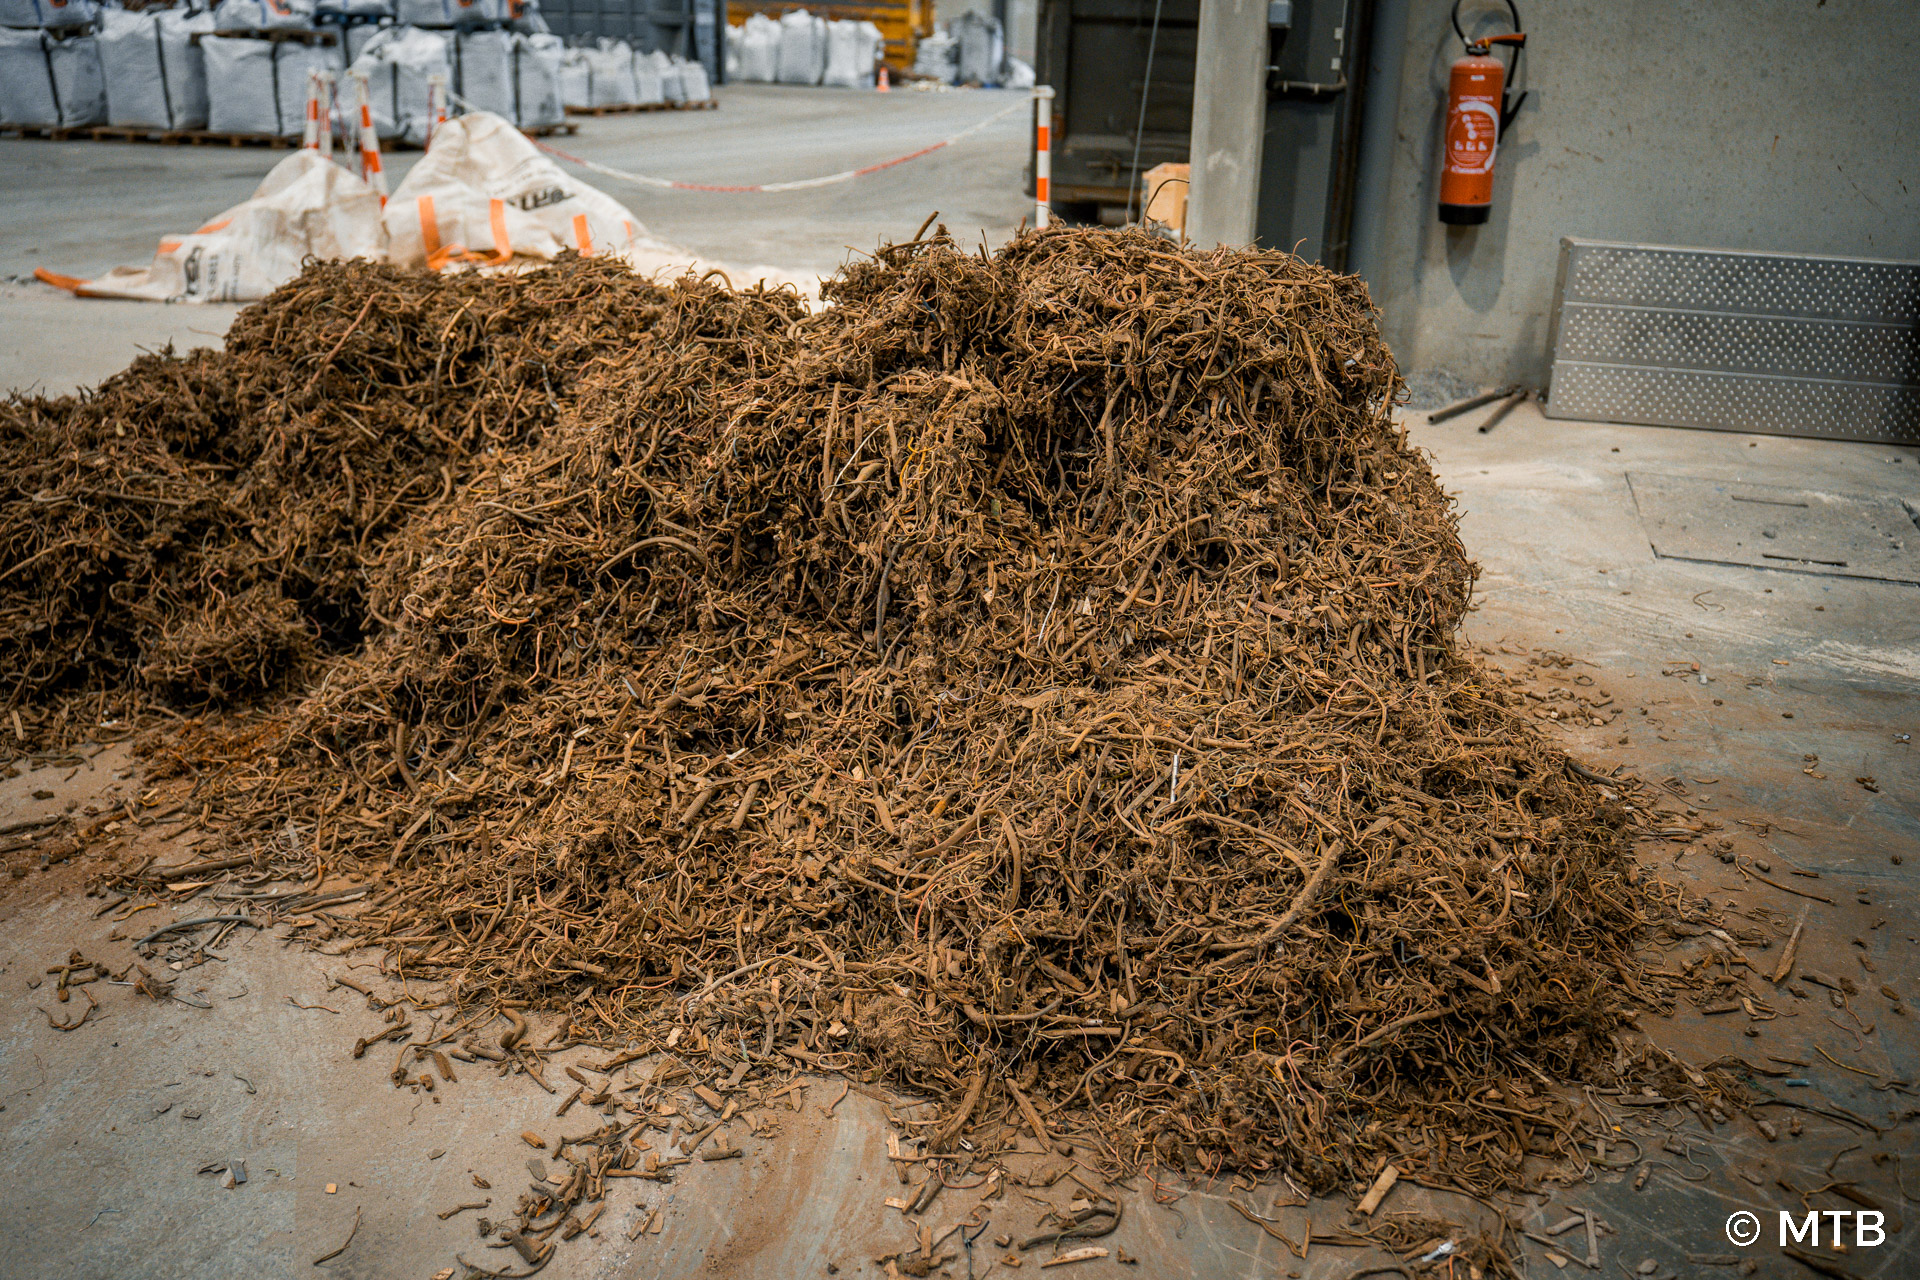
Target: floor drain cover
{"x": 1848, "y": 535}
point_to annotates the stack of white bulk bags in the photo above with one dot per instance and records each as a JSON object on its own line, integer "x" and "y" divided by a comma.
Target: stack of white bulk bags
{"x": 647, "y": 89}
{"x": 982, "y": 48}
{"x": 667, "y": 72}
{"x": 694, "y": 84}
{"x": 610, "y": 74}
{"x": 536, "y": 72}
{"x": 852, "y": 50}
{"x": 50, "y": 81}
{"x": 576, "y": 78}
{"x": 483, "y": 71}
{"x": 291, "y": 64}
{"x": 398, "y": 63}
{"x": 803, "y": 48}
{"x": 759, "y": 50}
{"x": 243, "y": 95}
{"x": 156, "y": 76}
{"x": 937, "y": 57}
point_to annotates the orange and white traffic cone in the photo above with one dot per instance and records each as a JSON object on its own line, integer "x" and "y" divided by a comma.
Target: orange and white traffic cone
{"x": 882, "y": 85}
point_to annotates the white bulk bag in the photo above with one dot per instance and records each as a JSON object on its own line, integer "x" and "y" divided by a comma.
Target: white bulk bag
{"x": 852, "y": 49}
{"x": 47, "y": 13}
{"x": 484, "y": 194}
{"x": 483, "y": 71}
{"x": 241, "y": 94}
{"x": 1019, "y": 75}
{"x": 937, "y": 56}
{"x": 398, "y": 63}
{"x": 77, "y": 81}
{"x": 611, "y": 83}
{"x": 305, "y": 206}
{"x": 156, "y": 76}
{"x": 263, "y": 15}
{"x": 667, "y": 71}
{"x": 693, "y": 81}
{"x": 981, "y": 46}
{"x": 536, "y": 69}
{"x": 803, "y": 48}
{"x": 647, "y": 90}
{"x": 576, "y": 79}
{"x": 448, "y": 13}
{"x": 49, "y": 82}
{"x": 359, "y": 36}
{"x": 26, "y": 80}
{"x": 759, "y": 50}
{"x": 291, "y": 63}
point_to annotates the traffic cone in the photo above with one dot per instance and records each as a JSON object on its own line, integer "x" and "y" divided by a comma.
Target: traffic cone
{"x": 881, "y": 85}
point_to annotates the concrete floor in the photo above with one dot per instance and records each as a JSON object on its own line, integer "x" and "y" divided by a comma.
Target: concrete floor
{"x": 1803, "y": 685}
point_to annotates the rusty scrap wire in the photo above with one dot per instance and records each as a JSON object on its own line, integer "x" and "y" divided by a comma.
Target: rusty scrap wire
{"x": 1037, "y": 668}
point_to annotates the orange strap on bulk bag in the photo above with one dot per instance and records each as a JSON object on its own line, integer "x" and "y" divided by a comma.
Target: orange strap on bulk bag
{"x": 72, "y": 284}
{"x": 502, "y": 246}
{"x": 439, "y": 255}
{"x": 429, "y": 229}
{"x": 582, "y": 238}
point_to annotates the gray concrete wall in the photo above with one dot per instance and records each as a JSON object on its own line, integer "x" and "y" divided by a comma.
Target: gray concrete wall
{"x": 1789, "y": 125}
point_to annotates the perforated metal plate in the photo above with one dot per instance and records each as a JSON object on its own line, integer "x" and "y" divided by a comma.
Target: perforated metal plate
{"x": 1769, "y": 527}
{"x": 1775, "y": 343}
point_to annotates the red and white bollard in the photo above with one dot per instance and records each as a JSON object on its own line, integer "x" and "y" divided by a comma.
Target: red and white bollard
{"x": 369, "y": 141}
{"x": 329, "y": 103}
{"x": 316, "y": 92}
{"x": 436, "y": 105}
{"x": 1042, "y": 154}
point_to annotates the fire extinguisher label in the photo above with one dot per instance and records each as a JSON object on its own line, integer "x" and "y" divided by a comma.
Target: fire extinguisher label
{"x": 1473, "y": 135}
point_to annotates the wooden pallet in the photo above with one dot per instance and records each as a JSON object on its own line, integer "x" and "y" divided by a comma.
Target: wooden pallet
{"x": 628, "y": 108}
{"x": 215, "y": 138}
{"x": 126, "y": 133}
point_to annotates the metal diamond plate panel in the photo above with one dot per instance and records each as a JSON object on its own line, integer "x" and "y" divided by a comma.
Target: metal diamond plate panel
{"x": 1846, "y": 535}
{"x": 1773, "y": 343}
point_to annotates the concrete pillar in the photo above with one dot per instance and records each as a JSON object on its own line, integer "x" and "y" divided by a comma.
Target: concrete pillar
{"x": 1229, "y": 121}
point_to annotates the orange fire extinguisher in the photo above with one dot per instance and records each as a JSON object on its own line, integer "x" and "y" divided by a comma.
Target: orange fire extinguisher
{"x": 1478, "y": 113}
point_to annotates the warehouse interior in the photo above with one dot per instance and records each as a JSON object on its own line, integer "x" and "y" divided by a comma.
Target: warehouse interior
{"x": 892, "y": 638}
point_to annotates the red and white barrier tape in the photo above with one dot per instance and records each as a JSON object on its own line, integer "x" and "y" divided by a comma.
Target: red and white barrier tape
{"x": 768, "y": 188}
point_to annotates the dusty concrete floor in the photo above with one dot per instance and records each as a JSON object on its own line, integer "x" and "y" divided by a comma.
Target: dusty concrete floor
{"x": 103, "y": 1129}
{"x": 1694, "y": 669}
